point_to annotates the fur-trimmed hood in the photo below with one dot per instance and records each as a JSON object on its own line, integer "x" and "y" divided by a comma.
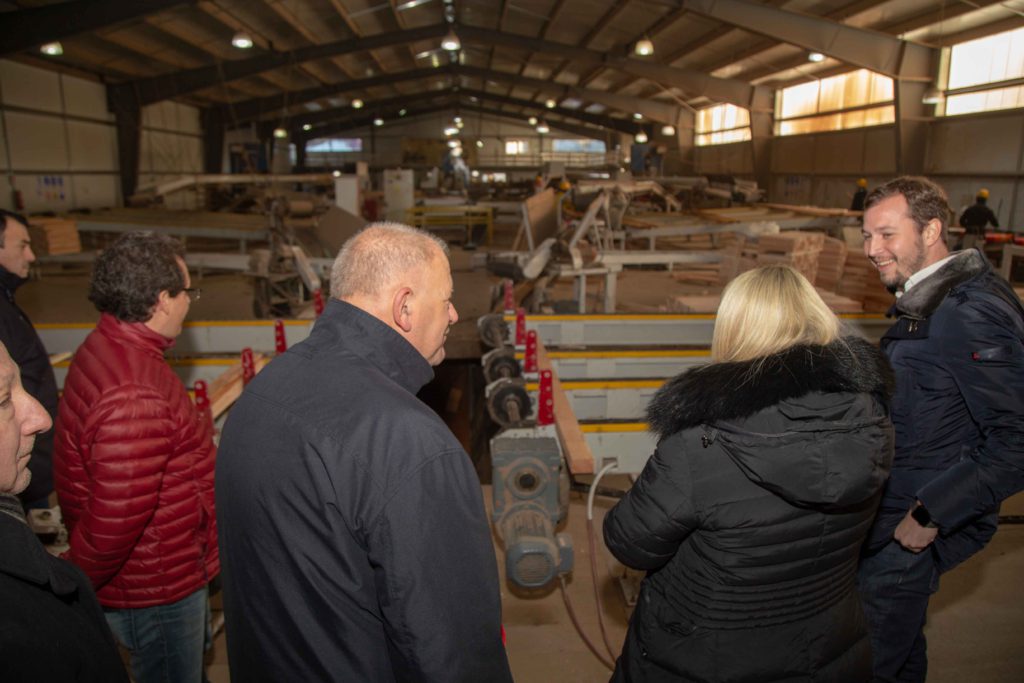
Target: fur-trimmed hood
{"x": 923, "y": 298}
{"x": 730, "y": 391}
{"x": 809, "y": 423}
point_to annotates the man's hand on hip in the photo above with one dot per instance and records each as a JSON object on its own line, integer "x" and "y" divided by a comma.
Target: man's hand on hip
{"x": 912, "y": 536}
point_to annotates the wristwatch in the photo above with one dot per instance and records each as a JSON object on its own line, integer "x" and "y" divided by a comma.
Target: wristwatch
{"x": 922, "y": 516}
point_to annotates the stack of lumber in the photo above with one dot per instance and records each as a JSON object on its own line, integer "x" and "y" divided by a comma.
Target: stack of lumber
{"x": 831, "y": 261}
{"x": 54, "y": 235}
{"x": 794, "y": 248}
{"x": 860, "y": 282}
{"x": 840, "y": 304}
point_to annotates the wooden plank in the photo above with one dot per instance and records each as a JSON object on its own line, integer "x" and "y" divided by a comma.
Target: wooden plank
{"x": 543, "y": 218}
{"x": 578, "y": 455}
{"x": 226, "y": 389}
{"x": 810, "y": 210}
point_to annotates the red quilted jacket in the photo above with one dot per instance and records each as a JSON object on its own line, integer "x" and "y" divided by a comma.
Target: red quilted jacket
{"x": 133, "y": 469}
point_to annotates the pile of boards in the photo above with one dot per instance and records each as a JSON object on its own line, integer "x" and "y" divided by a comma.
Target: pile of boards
{"x": 844, "y": 277}
{"x": 52, "y": 236}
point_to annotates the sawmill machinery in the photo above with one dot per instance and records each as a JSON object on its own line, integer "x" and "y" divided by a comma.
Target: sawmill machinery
{"x": 284, "y": 280}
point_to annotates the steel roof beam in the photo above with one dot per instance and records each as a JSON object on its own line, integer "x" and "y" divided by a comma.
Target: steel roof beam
{"x": 884, "y": 54}
{"x": 28, "y": 28}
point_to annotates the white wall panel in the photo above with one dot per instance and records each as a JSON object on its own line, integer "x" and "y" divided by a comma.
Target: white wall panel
{"x": 95, "y": 191}
{"x": 975, "y": 144}
{"x": 841, "y": 152}
{"x": 87, "y": 99}
{"x": 880, "y": 152}
{"x": 93, "y": 146}
{"x": 41, "y": 192}
{"x": 170, "y": 153}
{"x": 36, "y": 142}
{"x": 29, "y": 87}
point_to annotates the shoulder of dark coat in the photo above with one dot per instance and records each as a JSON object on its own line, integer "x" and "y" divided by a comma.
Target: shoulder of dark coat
{"x": 728, "y": 391}
{"x": 968, "y": 270}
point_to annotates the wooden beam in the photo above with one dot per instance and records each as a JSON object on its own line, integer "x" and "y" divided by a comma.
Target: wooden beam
{"x": 578, "y": 455}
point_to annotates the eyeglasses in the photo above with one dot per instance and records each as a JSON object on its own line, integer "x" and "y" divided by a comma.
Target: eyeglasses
{"x": 193, "y": 293}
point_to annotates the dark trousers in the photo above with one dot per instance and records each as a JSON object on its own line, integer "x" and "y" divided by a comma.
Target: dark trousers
{"x": 895, "y": 586}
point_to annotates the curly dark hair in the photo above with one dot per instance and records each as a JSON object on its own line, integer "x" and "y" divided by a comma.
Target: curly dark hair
{"x": 925, "y": 200}
{"x": 130, "y": 274}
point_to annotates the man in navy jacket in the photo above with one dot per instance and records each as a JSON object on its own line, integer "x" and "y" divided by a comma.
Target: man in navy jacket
{"x": 353, "y": 536}
{"x": 957, "y": 349}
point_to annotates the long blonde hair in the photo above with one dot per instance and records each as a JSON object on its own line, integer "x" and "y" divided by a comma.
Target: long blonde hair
{"x": 768, "y": 309}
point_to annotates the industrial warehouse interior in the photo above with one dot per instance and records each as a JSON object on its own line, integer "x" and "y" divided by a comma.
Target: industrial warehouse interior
{"x": 600, "y": 172}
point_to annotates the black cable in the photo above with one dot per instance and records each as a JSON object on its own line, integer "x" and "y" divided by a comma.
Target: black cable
{"x": 579, "y": 628}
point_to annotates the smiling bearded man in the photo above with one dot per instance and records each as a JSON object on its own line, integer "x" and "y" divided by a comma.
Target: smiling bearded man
{"x": 957, "y": 349}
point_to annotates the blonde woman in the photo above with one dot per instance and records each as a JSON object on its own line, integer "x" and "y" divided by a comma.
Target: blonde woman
{"x": 751, "y": 512}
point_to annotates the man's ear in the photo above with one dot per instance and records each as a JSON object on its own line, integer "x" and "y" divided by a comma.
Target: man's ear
{"x": 400, "y": 312}
{"x": 932, "y": 231}
{"x": 163, "y": 303}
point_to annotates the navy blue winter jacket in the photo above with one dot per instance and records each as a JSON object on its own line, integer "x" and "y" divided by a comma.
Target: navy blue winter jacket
{"x": 957, "y": 349}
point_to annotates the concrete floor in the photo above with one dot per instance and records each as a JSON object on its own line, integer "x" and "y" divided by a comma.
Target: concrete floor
{"x": 974, "y": 623}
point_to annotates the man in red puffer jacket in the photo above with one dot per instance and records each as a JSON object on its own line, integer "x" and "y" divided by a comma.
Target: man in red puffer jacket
{"x": 134, "y": 461}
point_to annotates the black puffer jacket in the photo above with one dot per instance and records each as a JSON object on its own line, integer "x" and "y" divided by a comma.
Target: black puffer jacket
{"x": 750, "y": 516}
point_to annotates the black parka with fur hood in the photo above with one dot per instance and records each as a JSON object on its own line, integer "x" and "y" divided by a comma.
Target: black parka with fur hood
{"x": 750, "y": 516}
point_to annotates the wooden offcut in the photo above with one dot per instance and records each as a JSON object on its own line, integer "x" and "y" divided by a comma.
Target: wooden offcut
{"x": 228, "y": 385}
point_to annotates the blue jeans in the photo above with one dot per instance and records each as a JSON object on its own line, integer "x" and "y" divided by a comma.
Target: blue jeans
{"x": 166, "y": 642}
{"x": 895, "y": 586}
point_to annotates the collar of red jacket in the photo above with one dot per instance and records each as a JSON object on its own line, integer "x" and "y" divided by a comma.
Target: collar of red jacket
{"x": 134, "y": 334}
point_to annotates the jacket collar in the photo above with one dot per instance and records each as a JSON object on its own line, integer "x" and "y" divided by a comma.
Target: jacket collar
{"x": 924, "y": 297}
{"x": 696, "y": 397}
{"x": 369, "y": 338}
{"x": 10, "y": 282}
{"x": 25, "y": 557}
{"x": 136, "y": 335}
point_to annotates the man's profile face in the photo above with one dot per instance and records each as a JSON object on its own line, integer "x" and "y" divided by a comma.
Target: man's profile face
{"x": 16, "y": 253}
{"x": 893, "y": 242}
{"x": 435, "y": 312}
{"x": 21, "y": 418}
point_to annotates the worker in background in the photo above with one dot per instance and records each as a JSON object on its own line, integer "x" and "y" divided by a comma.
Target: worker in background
{"x": 750, "y": 515}
{"x": 51, "y": 626}
{"x": 538, "y": 184}
{"x": 957, "y": 348}
{"x": 26, "y": 349}
{"x": 133, "y": 463}
{"x": 857, "y": 204}
{"x": 975, "y": 219}
{"x": 353, "y": 532}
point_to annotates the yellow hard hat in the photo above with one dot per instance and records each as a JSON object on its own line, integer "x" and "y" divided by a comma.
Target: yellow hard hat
{"x": 862, "y": 182}
{"x": 982, "y": 193}
{"x": 564, "y": 185}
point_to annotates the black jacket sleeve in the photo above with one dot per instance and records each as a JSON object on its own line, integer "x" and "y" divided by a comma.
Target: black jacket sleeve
{"x": 645, "y": 529}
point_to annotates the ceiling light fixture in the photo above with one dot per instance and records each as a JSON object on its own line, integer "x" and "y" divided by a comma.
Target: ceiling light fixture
{"x": 401, "y": 112}
{"x": 451, "y": 41}
{"x": 644, "y": 47}
{"x": 451, "y": 130}
{"x": 54, "y": 49}
{"x": 357, "y": 103}
{"x": 638, "y": 117}
{"x": 242, "y": 40}
{"x": 641, "y": 137}
{"x": 550, "y": 104}
{"x": 378, "y": 122}
{"x": 933, "y": 96}
{"x": 479, "y": 144}
{"x": 542, "y": 128}
{"x": 815, "y": 57}
{"x": 532, "y": 120}
{"x": 307, "y": 126}
{"x": 336, "y": 174}
{"x": 668, "y": 131}
{"x": 280, "y": 133}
